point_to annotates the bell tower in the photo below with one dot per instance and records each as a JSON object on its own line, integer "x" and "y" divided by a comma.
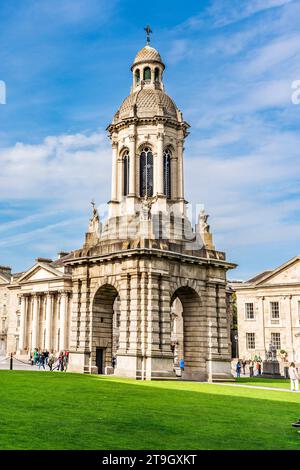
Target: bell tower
{"x": 147, "y": 135}
{"x": 145, "y": 260}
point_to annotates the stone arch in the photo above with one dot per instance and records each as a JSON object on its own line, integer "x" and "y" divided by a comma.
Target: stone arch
{"x": 102, "y": 325}
{"x": 194, "y": 331}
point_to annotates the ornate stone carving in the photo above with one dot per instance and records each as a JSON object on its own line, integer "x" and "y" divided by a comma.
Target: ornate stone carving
{"x": 94, "y": 223}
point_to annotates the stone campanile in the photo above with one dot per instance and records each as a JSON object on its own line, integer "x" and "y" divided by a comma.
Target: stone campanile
{"x": 146, "y": 257}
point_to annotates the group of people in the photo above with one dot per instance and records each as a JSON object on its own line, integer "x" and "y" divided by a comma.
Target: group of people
{"x": 45, "y": 358}
{"x": 254, "y": 367}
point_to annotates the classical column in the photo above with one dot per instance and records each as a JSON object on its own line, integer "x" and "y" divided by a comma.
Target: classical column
{"x": 159, "y": 173}
{"x": 120, "y": 178}
{"x": 180, "y": 185}
{"x": 35, "y": 326}
{"x": 63, "y": 319}
{"x": 114, "y": 180}
{"x": 22, "y": 324}
{"x": 49, "y": 315}
{"x": 132, "y": 166}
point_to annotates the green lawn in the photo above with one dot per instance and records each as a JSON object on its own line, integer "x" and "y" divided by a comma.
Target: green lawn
{"x": 43, "y": 410}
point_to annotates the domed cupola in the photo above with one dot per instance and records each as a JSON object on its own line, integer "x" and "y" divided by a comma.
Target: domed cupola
{"x": 147, "y": 54}
{"x": 147, "y": 98}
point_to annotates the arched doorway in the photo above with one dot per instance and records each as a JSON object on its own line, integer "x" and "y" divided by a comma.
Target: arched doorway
{"x": 191, "y": 333}
{"x": 105, "y": 328}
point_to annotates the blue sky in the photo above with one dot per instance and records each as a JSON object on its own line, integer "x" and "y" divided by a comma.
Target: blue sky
{"x": 230, "y": 69}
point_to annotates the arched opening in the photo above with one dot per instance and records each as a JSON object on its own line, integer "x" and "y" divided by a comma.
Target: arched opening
{"x": 156, "y": 74}
{"x": 189, "y": 335}
{"x": 167, "y": 173}
{"x": 147, "y": 74}
{"x": 137, "y": 77}
{"x": 105, "y": 328}
{"x": 146, "y": 172}
{"x": 177, "y": 331}
{"x": 126, "y": 164}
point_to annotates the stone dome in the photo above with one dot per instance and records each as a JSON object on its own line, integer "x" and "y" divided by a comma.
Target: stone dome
{"x": 147, "y": 54}
{"x": 148, "y": 102}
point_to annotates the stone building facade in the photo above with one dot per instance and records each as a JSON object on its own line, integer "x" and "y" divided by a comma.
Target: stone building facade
{"x": 268, "y": 308}
{"x": 146, "y": 288}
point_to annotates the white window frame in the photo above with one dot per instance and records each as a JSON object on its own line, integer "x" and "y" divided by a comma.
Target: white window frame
{"x": 276, "y": 333}
{"x": 247, "y": 342}
{"x": 246, "y": 313}
{"x": 271, "y": 310}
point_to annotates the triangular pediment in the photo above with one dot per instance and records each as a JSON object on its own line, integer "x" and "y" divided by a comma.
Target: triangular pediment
{"x": 40, "y": 272}
{"x": 288, "y": 273}
{"x": 3, "y": 279}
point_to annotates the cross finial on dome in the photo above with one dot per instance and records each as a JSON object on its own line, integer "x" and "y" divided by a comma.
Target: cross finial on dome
{"x": 148, "y": 31}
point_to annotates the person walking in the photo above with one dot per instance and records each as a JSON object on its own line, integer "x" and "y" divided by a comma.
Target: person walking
{"x": 244, "y": 363}
{"x": 42, "y": 360}
{"x": 65, "y": 361}
{"x": 181, "y": 364}
{"x": 46, "y": 354}
{"x": 251, "y": 367}
{"x": 35, "y": 356}
{"x": 294, "y": 377}
{"x": 238, "y": 369}
{"x": 259, "y": 368}
{"x": 61, "y": 361}
{"x": 51, "y": 361}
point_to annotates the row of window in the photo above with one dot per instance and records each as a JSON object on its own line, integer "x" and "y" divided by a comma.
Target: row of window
{"x": 147, "y": 74}
{"x": 274, "y": 310}
{"x": 146, "y": 172}
{"x": 250, "y": 340}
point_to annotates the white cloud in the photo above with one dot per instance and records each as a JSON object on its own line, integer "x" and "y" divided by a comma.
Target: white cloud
{"x": 67, "y": 170}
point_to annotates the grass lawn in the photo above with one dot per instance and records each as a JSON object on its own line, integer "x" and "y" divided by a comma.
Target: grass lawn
{"x": 43, "y": 410}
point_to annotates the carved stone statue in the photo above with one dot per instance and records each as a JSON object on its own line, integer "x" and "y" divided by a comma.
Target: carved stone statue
{"x": 146, "y": 207}
{"x": 203, "y": 225}
{"x": 271, "y": 353}
{"x": 94, "y": 223}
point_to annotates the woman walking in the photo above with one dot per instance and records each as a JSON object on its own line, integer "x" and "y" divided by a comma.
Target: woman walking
{"x": 294, "y": 377}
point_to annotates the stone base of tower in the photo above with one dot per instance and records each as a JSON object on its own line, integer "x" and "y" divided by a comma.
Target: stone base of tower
{"x": 79, "y": 362}
{"x": 219, "y": 369}
{"x": 144, "y": 368}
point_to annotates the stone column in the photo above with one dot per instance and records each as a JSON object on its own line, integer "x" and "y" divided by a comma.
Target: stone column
{"x": 22, "y": 340}
{"x": 180, "y": 185}
{"x": 114, "y": 173}
{"x": 63, "y": 318}
{"x": 120, "y": 178}
{"x": 174, "y": 178}
{"x": 49, "y": 315}
{"x": 132, "y": 165}
{"x": 218, "y": 353}
{"x": 35, "y": 326}
{"x": 159, "y": 173}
